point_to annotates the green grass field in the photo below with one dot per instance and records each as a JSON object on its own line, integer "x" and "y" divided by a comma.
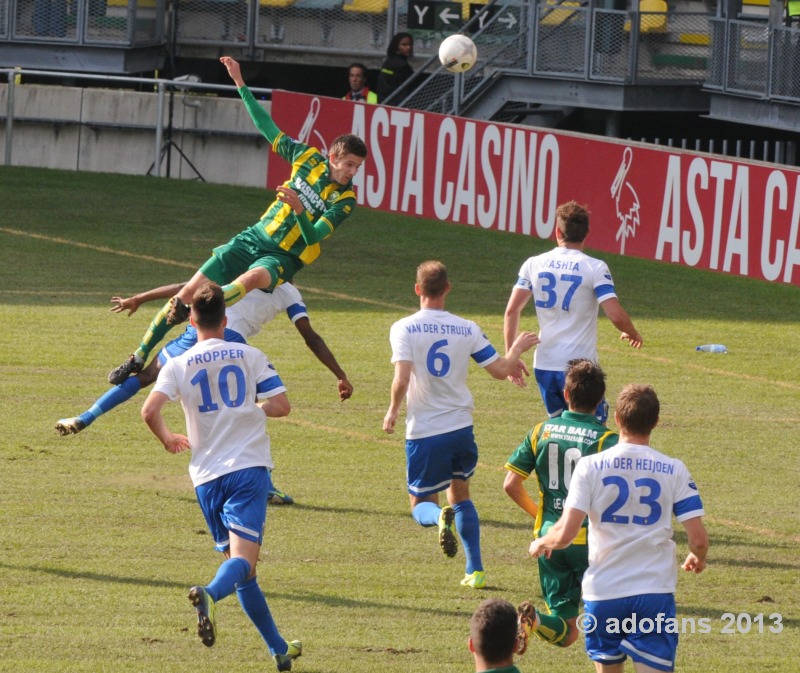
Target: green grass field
{"x": 101, "y": 532}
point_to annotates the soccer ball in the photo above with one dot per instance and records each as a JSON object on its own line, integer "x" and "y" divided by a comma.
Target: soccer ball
{"x": 458, "y": 53}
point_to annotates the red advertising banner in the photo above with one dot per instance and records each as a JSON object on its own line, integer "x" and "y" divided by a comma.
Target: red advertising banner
{"x": 671, "y": 205}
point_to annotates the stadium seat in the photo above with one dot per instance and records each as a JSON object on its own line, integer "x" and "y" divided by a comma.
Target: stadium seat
{"x": 653, "y": 17}
{"x": 465, "y": 7}
{"x": 555, "y": 17}
{"x": 366, "y": 6}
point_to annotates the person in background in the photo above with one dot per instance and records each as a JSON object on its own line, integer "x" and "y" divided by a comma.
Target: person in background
{"x": 395, "y": 69}
{"x": 493, "y": 636}
{"x": 359, "y": 91}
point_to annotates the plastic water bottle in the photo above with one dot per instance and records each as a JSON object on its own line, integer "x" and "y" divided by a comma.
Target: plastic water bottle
{"x": 712, "y": 348}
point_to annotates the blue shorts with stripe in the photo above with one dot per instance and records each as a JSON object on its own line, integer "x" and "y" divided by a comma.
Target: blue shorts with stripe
{"x": 188, "y": 339}
{"x": 551, "y": 386}
{"x": 641, "y": 627}
{"x": 433, "y": 462}
{"x": 236, "y": 502}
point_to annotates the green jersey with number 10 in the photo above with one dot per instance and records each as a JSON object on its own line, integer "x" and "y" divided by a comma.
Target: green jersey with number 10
{"x": 550, "y": 451}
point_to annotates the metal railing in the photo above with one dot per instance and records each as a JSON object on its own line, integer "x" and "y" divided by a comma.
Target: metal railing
{"x": 85, "y": 22}
{"x": 569, "y": 42}
{"x": 560, "y": 39}
{"x": 501, "y": 40}
{"x": 756, "y": 61}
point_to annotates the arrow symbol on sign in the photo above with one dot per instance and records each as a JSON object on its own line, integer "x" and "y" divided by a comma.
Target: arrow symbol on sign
{"x": 509, "y": 19}
{"x": 445, "y": 15}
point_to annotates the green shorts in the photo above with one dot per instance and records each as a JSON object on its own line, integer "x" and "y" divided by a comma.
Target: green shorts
{"x": 560, "y": 578}
{"x": 247, "y": 251}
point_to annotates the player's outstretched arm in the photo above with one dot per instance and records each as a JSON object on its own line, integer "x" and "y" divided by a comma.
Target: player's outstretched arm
{"x": 131, "y": 304}
{"x": 511, "y": 365}
{"x": 257, "y": 113}
{"x": 319, "y": 348}
{"x": 622, "y": 321}
{"x": 697, "y": 538}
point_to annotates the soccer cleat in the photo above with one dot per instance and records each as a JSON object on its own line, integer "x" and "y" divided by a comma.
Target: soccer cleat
{"x": 178, "y": 312}
{"x": 204, "y": 604}
{"x": 527, "y": 621}
{"x": 277, "y": 497}
{"x": 70, "y": 426}
{"x": 133, "y": 365}
{"x": 447, "y": 537}
{"x": 284, "y": 661}
{"x": 476, "y": 580}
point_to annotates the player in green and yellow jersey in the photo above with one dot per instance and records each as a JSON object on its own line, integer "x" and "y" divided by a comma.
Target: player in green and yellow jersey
{"x": 316, "y": 199}
{"x": 550, "y": 452}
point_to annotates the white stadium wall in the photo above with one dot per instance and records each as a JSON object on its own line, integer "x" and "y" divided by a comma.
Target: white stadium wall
{"x": 113, "y": 131}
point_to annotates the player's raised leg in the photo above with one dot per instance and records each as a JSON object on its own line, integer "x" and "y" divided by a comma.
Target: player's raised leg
{"x": 426, "y": 512}
{"x": 174, "y": 312}
{"x": 159, "y": 326}
{"x": 111, "y": 399}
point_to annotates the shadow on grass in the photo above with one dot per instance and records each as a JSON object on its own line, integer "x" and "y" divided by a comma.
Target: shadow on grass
{"x": 296, "y": 596}
{"x": 752, "y": 563}
{"x": 718, "y": 540}
{"x": 95, "y": 577}
{"x": 342, "y": 602}
{"x": 488, "y": 523}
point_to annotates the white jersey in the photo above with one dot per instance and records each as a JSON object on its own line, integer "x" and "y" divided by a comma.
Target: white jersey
{"x": 567, "y": 286}
{"x": 631, "y": 493}
{"x": 439, "y": 345}
{"x": 218, "y": 383}
{"x": 257, "y": 308}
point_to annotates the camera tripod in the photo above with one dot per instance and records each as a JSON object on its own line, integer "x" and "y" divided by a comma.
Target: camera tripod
{"x": 169, "y": 144}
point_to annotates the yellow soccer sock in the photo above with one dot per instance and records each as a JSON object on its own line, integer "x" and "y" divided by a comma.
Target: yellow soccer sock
{"x": 551, "y": 629}
{"x": 233, "y": 292}
{"x": 158, "y": 328}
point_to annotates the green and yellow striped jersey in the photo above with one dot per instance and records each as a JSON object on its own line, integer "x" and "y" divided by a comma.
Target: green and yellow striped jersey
{"x": 550, "y": 451}
{"x": 327, "y": 203}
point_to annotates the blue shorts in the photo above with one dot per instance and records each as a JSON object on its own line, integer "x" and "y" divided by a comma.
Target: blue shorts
{"x": 236, "y": 502}
{"x": 646, "y": 636}
{"x": 551, "y": 386}
{"x": 188, "y": 339}
{"x": 433, "y": 462}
